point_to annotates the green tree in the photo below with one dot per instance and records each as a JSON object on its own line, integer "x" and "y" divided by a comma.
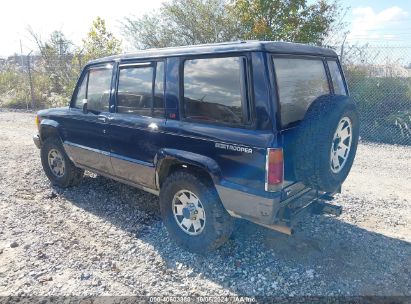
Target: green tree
{"x": 56, "y": 54}
{"x": 100, "y": 42}
{"x": 183, "y": 22}
{"x": 290, "y": 20}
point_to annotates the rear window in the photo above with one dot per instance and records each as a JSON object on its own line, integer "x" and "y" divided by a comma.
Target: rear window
{"x": 300, "y": 81}
{"x": 338, "y": 83}
{"x": 213, "y": 90}
{"x": 135, "y": 88}
{"x": 136, "y": 93}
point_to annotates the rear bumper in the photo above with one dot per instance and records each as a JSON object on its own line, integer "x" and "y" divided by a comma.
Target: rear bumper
{"x": 249, "y": 206}
{"x": 277, "y": 211}
{"x": 37, "y": 141}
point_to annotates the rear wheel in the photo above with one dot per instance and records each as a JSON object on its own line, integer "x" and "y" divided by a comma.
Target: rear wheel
{"x": 58, "y": 167}
{"x": 193, "y": 214}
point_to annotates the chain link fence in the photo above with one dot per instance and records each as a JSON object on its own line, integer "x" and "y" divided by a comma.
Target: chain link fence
{"x": 379, "y": 79}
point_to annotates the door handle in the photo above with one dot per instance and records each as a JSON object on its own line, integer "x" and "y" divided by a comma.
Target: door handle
{"x": 102, "y": 118}
{"x": 153, "y": 126}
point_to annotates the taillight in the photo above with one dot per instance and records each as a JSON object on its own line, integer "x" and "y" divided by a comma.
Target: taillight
{"x": 274, "y": 169}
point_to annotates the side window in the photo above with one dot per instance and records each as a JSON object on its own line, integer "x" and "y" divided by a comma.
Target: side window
{"x": 213, "y": 90}
{"x": 300, "y": 82}
{"x": 81, "y": 93}
{"x": 135, "y": 90}
{"x": 98, "y": 90}
{"x": 336, "y": 77}
{"x": 136, "y": 93}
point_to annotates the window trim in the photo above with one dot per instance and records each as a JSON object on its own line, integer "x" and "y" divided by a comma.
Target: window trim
{"x": 83, "y": 74}
{"x": 142, "y": 64}
{"x": 276, "y": 86}
{"x": 246, "y": 90}
{"x": 86, "y": 73}
{"x": 164, "y": 89}
{"x": 77, "y": 90}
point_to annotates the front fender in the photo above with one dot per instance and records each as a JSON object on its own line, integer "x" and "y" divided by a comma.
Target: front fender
{"x": 49, "y": 127}
{"x": 166, "y": 156}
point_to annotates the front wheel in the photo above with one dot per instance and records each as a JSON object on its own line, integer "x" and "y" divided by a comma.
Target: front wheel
{"x": 57, "y": 166}
{"x": 193, "y": 214}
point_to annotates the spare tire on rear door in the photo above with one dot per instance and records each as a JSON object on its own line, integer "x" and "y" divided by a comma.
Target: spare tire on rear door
{"x": 325, "y": 143}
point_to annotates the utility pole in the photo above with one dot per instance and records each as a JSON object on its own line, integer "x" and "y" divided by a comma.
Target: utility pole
{"x": 22, "y": 67}
{"x": 61, "y": 47}
{"x": 21, "y": 54}
{"x": 342, "y": 48}
{"x": 79, "y": 59}
{"x": 33, "y": 105}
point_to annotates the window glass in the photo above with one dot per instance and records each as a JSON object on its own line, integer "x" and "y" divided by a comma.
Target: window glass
{"x": 300, "y": 82}
{"x": 98, "y": 91}
{"x": 336, "y": 77}
{"x": 135, "y": 89}
{"x": 158, "y": 105}
{"x": 81, "y": 93}
{"x": 213, "y": 90}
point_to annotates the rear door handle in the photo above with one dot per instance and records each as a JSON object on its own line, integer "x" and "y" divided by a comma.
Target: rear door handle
{"x": 102, "y": 118}
{"x": 153, "y": 127}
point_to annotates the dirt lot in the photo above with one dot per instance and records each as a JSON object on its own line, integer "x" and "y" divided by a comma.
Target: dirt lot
{"x": 105, "y": 238}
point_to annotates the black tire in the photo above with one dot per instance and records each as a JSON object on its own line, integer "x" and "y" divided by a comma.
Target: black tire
{"x": 314, "y": 139}
{"x": 72, "y": 175}
{"x": 218, "y": 225}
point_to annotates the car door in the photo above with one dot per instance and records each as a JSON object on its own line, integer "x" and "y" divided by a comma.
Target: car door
{"x": 136, "y": 127}
{"x": 86, "y": 138}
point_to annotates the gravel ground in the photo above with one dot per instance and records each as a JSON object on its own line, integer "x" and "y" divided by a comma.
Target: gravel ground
{"x": 105, "y": 238}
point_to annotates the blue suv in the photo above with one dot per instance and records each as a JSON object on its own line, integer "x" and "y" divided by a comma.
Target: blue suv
{"x": 255, "y": 130}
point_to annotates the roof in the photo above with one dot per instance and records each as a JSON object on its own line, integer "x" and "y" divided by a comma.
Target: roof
{"x": 238, "y": 46}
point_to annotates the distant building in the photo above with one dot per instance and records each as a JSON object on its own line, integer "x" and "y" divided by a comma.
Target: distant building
{"x": 22, "y": 60}
{"x": 3, "y": 63}
{"x": 381, "y": 70}
{"x": 388, "y": 70}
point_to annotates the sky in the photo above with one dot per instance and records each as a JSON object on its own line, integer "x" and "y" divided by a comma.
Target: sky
{"x": 379, "y": 21}
{"x": 375, "y": 21}
{"x": 72, "y": 17}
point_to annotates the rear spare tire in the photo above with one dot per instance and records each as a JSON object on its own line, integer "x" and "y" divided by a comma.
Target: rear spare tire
{"x": 325, "y": 143}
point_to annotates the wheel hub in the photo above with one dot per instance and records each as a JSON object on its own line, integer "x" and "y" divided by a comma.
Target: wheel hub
{"x": 341, "y": 145}
{"x": 56, "y": 163}
{"x": 188, "y": 212}
{"x": 336, "y": 143}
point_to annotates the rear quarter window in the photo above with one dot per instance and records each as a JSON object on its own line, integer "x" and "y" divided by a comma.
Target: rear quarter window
{"x": 336, "y": 77}
{"x": 299, "y": 82}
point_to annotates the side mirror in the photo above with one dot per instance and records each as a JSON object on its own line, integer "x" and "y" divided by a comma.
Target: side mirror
{"x": 85, "y": 110}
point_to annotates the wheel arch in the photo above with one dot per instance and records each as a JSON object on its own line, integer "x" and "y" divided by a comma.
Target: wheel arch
{"x": 171, "y": 160}
{"x": 49, "y": 128}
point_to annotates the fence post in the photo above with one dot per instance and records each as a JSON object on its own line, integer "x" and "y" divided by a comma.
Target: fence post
{"x": 33, "y": 105}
